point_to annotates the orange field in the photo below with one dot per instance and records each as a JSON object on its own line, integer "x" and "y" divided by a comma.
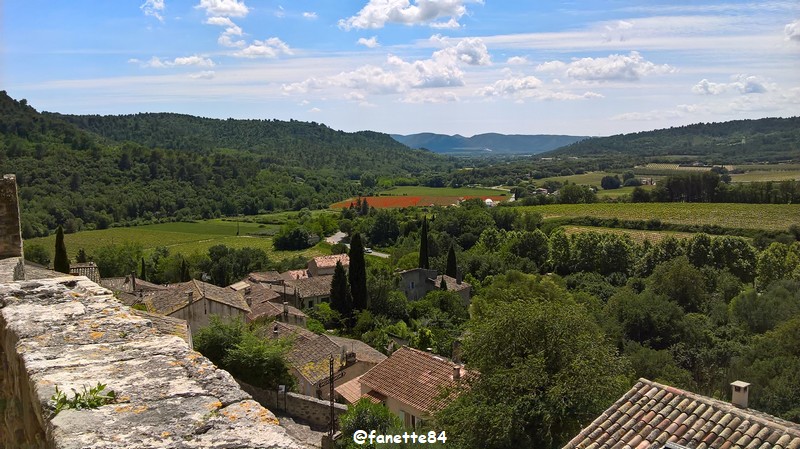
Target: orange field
{"x": 384, "y": 202}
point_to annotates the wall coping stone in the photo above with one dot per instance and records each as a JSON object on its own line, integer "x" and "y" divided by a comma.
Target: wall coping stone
{"x": 70, "y": 332}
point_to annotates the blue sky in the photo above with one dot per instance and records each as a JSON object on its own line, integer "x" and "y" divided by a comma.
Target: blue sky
{"x": 407, "y": 66}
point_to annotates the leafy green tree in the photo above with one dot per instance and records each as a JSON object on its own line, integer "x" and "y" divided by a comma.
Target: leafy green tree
{"x": 365, "y": 415}
{"x": 759, "y": 313}
{"x": 645, "y": 318}
{"x": 37, "y": 253}
{"x": 385, "y": 228}
{"x": 423, "y": 245}
{"x": 357, "y": 273}
{"x": 559, "y": 254}
{"x": 531, "y": 245}
{"x": 532, "y": 389}
{"x": 214, "y": 340}
{"x": 452, "y": 267}
{"x": 610, "y": 182}
{"x": 81, "y": 257}
{"x": 341, "y": 300}
{"x": 681, "y": 282}
{"x": 292, "y": 237}
{"x": 61, "y": 260}
{"x": 778, "y": 261}
{"x": 393, "y": 305}
{"x": 259, "y": 362}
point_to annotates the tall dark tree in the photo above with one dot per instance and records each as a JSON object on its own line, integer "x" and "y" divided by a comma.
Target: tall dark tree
{"x": 61, "y": 260}
{"x": 185, "y": 277}
{"x": 452, "y": 267}
{"x": 81, "y": 257}
{"x": 423, "y": 245}
{"x": 143, "y": 274}
{"x": 358, "y": 273}
{"x": 341, "y": 300}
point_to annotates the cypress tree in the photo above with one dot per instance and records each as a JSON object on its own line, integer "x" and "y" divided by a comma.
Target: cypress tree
{"x": 358, "y": 273}
{"x": 423, "y": 245}
{"x": 341, "y": 300}
{"x": 143, "y": 274}
{"x": 61, "y": 260}
{"x": 184, "y": 271}
{"x": 452, "y": 268}
{"x": 81, "y": 257}
{"x": 443, "y": 284}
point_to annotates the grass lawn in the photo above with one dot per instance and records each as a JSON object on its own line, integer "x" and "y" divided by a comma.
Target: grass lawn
{"x": 745, "y": 216}
{"x": 184, "y": 238}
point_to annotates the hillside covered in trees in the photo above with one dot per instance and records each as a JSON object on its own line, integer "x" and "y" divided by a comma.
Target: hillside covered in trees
{"x": 762, "y": 140}
{"x": 149, "y": 167}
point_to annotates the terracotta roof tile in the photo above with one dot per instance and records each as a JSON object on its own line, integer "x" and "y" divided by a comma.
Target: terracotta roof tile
{"x": 350, "y": 390}
{"x": 411, "y": 376}
{"x": 330, "y": 261}
{"x": 175, "y": 297}
{"x": 651, "y": 414}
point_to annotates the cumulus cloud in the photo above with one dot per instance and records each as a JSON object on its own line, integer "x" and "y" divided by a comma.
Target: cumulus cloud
{"x": 310, "y": 15}
{"x": 744, "y": 84}
{"x": 270, "y": 48}
{"x": 517, "y": 60}
{"x": 185, "y": 61}
{"x": 420, "y": 97}
{"x": 615, "y": 31}
{"x": 227, "y": 38}
{"x": 369, "y": 43}
{"x": 630, "y": 67}
{"x": 792, "y": 31}
{"x": 376, "y": 13}
{"x": 510, "y": 86}
{"x": 224, "y": 8}
{"x": 204, "y": 75}
{"x": 471, "y": 51}
{"x": 153, "y": 8}
{"x": 520, "y": 87}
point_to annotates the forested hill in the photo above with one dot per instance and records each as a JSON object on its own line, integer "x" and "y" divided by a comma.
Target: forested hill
{"x": 83, "y": 180}
{"x": 486, "y": 144}
{"x": 762, "y": 140}
{"x": 292, "y": 143}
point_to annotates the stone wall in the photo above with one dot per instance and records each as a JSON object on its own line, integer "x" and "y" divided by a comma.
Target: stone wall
{"x": 10, "y": 237}
{"x": 69, "y": 332}
{"x": 315, "y": 412}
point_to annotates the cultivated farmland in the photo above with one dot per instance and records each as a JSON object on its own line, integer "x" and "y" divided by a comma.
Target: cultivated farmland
{"x": 773, "y": 217}
{"x": 636, "y": 235}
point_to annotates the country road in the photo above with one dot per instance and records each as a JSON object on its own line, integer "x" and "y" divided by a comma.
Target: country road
{"x": 336, "y": 238}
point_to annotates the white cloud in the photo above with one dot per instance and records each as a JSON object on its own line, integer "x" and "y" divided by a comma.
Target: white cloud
{"x": 471, "y": 50}
{"x": 315, "y": 110}
{"x": 517, "y": 60}
{"x": 310, "y": 15}
{"x": 510, "y": 86}
{"x": 376, "y": 13}
{"x": 615, "y": 31}
{"x": 184, "y": 61}
{"x": 792, "y": 31}
{"x": 744, "y": 84}
{"x": 369, "y": 43}
{"x": 226, "y": 39}
{"x": 270, "y": 48}
{"x": 225, "y": 8}
{"x": 421, "y": 97}
{"x": 280, "y": 12}
{"x": 153, "y": 8}
{"x": 630, "y": 67}
{"x": 205, "y": 75}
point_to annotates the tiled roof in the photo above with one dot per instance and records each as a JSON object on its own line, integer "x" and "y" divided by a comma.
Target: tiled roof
{"x": 330, "y": 261}
{"x": 270, "y": 309}
{"x": 261, "y": 293}
{"x": 278, "y": 329}
{"x": 363, "y": 351}
{"x": 452, "y": 284}
{"x": 312, "y": 357}
{"x": 294, "y": 274}
{"x": 175, "y": 297}
{"x": 350, "y": 390}
{"x": 124, "y": 284}
{"x": 167, "y": 324}
{"x": 651, "y": 415}
{"x": 411, "y": 376}
{"x": 310, "y": 287}
{"x": 269, "y": 277}
{"x": 241, "y": 285}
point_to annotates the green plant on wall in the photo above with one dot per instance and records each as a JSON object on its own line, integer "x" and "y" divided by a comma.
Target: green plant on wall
{"x": 89, "y": 398}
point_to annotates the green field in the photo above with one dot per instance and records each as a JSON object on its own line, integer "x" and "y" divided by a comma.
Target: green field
{"x": 591, "y": 178}
{"x": 772, "y": 217}
{"x": 615, "y": 193}
{"x": 766, "y": 175}
{"x": 185, "y": 238}
{"x": 636, "y": 235}
{"x": 441, "y": 191}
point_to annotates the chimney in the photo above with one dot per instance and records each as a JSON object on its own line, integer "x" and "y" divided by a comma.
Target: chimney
{"x": 458, "y": 276}
{"x": 275, "y": 330}
{"x": 285, "y": 310}
{"x": 740, "y": 393}
{"x": 456, "y": 372}
{"x": 191, "y": 296}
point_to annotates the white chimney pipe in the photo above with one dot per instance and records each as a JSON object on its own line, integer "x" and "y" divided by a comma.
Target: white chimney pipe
{"x": 740, "y": 393}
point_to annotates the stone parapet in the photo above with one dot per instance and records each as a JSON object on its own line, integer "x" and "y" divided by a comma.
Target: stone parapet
{"x": 69, "y": 332}
{"x": 314, "y": 412}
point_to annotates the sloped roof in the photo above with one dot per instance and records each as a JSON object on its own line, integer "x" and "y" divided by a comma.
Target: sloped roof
{"x": 312, "y": 357}
{"x": 268, "y": 277}
{"x": 279, "y": 329}
{"x": 652, "y": 414}
{"x": 330, "y": 261}
{"x": 238, "y": 286}
{"x": 294, "y": 274}
{"x": 310, "y": 287}
{"x": 363, "y": 351}
{"x": 350, "y": 390}
{"x": 452, "y": 283}
{"x": 270, "y": 309}
{"x": 175, "y": 297}
{"x": 411, "y": 376}
{"x": 124, "y": 284}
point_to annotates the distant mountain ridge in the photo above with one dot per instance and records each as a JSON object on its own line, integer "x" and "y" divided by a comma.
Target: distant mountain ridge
{"x": 489, "y": 143}
{"x": 759, "y": 140}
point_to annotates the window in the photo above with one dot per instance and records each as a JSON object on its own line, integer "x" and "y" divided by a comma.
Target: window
{"x": 310, "y": 303}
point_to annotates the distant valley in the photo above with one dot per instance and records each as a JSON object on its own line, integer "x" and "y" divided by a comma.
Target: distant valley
{"x": 490, "y": 143}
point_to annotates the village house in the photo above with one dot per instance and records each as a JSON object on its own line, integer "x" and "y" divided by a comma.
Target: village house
{"x": 310, "y": 356}
{"x": 305, "y": 292}
{"x": 656, "y": 416}
{"x": 266, "y": 304}
{"x": 417, "y": 282}
{"x": 195, "y": 301}
{"x": 325, "y": 265}
{"x": 409, "y": 383}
